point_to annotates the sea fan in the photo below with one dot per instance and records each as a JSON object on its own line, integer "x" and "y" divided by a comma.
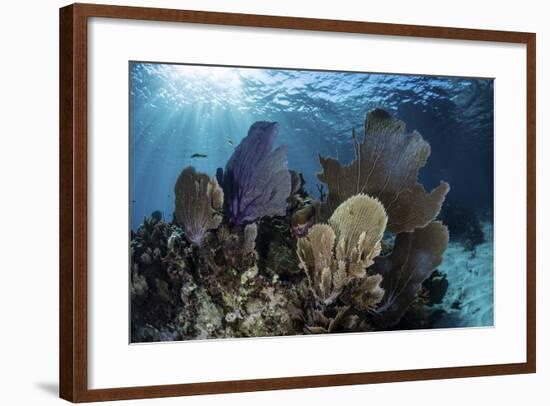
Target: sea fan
{"x": 198, "y": 199}
{"x": 256, "y": 180}
{"x": 386, "y": 166}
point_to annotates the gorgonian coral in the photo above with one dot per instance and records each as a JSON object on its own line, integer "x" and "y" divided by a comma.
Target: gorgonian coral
{"x": 317, "y": 260}
{"x": 386, "y": 166}
{"x": 359, "y": 224}
{"x": 413, "y": 259}
{"x": 256, "y": 180}
{"x": 198, "y": 201}
{"x": 333, "y": 254}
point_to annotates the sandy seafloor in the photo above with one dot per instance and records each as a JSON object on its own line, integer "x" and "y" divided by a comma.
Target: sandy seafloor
{"x": 469, "y": 298}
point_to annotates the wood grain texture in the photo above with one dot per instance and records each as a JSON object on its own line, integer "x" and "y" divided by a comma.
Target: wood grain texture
{"x": 531, "y": 173}
{"x": 73, "y": 200}
{"x": 66, "y": 130}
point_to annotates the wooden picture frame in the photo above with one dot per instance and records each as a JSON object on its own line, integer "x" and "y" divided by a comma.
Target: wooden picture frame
{"x": 74, "y": 201}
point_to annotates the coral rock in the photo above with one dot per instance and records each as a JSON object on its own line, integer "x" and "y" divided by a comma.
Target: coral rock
{"x": 302, "y": 219}
{"x": 250, "y": 234}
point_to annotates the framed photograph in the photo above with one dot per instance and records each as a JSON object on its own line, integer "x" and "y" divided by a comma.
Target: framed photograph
{"x": 255, "y": 202}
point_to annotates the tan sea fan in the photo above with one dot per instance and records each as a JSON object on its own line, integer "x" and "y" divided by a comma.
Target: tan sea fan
{"x": 198, "y": 201}
{"x": 315, "y": 252}
{"x": 359, "y": 224}
{"x": 334, "y": 254}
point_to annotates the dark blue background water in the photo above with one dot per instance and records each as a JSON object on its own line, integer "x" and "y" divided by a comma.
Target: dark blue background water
{"x": 180, "y": 110}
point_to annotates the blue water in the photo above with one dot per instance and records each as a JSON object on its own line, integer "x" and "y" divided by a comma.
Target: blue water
{"x": 180, "y": 110}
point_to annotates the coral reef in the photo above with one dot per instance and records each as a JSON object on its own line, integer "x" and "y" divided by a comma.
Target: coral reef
{"x": 159, "y": 266}
{"x": 262, "y": 258}
{"x": 256, "y": 180}
{"x": 198, "y": 200}
{"x": 180, "y": 291}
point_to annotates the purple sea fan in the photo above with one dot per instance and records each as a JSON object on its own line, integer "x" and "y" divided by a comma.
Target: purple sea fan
{"x": 256, "y": 180}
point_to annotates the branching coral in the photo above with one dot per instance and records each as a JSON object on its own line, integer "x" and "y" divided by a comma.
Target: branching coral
{"x": 386, "y": 166}
{"x": 333, "y": 254}
{"x": 256, "y": 180}
{"x": 198, "y": 200}
{"x": 367, "y": 292}
{"x": 318, "y": 322}
{"x": 317, "y": 260}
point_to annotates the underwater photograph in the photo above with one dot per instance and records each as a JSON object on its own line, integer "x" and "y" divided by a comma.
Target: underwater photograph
{"x": 280, "y": 202}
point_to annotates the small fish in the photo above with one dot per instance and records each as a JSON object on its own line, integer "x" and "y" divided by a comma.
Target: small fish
{"x": 230, "y": 141}
{"x": 199, "y": 155}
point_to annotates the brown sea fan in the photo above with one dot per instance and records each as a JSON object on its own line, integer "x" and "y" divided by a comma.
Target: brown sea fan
{"x": 386, "y": 166}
